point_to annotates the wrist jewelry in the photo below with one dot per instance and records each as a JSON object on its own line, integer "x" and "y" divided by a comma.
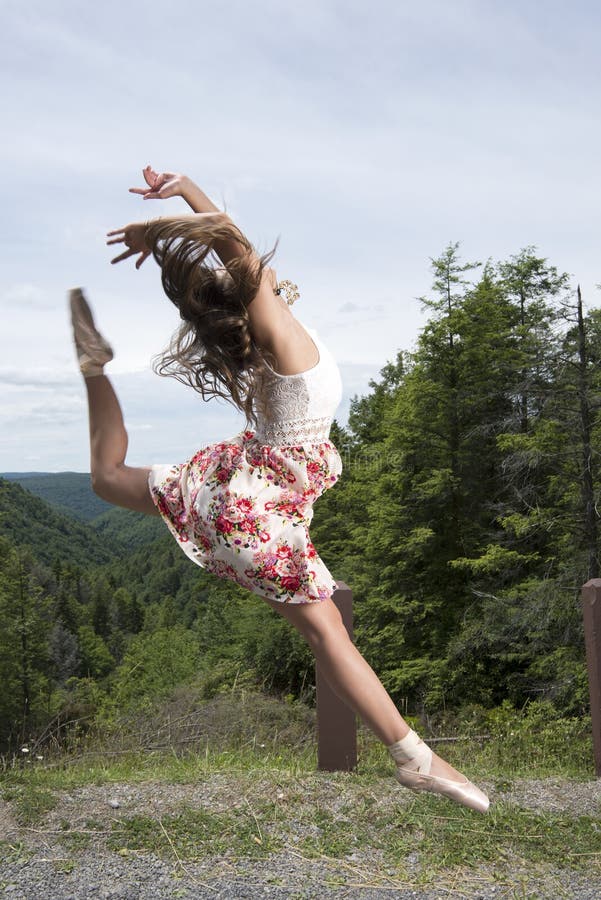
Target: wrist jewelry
{"x": 290, "y": 290}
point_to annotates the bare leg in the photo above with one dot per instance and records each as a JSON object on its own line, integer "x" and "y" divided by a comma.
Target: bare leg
{"x": 112, "y": 480}
{"x": 350, "y": 675}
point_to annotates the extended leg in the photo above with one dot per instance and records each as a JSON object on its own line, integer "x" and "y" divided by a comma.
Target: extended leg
{"x": 111, "y": 478}
{"x": 350, "y": 675}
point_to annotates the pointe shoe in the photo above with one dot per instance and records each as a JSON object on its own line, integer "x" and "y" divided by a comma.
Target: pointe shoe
{"x": 415, "y": 774}
{"x": 93, "y": 351}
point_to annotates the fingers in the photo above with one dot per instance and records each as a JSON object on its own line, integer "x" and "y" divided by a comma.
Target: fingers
{"x": 125, "y": 255}
{"x": 155, "y": 181}
{"x": 150, "y": 176}
{"x": 143, "y": 256}
{"x": 147, "y": 193}
{"x": 121, "y": 236}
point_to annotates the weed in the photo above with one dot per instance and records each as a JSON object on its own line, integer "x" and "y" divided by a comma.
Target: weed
{"x": 29, "y": 802}
{"x": 75, "y": 840}
{"x": 194, "y": 834}
{"x": 448, "y": 838}
{"x": 66, "y": 866}
{"x": 14, "y": 852}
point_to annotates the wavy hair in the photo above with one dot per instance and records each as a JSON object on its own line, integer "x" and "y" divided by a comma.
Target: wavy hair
{"x": 213, "y": 350}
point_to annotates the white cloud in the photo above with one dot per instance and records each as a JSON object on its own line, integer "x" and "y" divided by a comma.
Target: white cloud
{"x": 41, "y": 379}
{"x": 24, "y": 295}
{"x": 367, "y": 137}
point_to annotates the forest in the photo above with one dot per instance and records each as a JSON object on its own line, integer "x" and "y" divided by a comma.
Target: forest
{"x": 465, "y": 522}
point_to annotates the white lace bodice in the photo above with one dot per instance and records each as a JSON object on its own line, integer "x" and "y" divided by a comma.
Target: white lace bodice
{"x": 298, "y": 409}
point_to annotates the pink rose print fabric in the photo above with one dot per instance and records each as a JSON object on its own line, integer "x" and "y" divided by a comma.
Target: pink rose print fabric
{"x": 242, "y": 510}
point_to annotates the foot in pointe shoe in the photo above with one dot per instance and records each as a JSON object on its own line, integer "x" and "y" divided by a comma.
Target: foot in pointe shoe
{"x": 414, "y": 761}
{"x": 93, "y": 351}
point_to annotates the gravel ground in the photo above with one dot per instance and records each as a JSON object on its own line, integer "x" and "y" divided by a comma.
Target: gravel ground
{"x": 149, "y": 878}
{"x": 41, "y": 866}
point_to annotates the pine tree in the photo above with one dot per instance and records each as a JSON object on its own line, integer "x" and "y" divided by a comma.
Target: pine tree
{"x": 24, "y": 657}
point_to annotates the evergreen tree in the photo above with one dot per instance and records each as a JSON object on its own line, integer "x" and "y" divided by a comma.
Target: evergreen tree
{"x": 24, "y": 656}
{"x": 63, "y": 653}
{"x": 101, "y": 610}
{"x": 96, "y": 658}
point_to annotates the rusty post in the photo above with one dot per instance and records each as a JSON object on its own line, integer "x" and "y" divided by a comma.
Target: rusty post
{"x": 591, "y": 611}
{"x": 336, "y": 722}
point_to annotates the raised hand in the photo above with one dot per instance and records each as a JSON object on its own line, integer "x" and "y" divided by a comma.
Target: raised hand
{"x": 133, "y": 236}
{"x": 160, "y": 185}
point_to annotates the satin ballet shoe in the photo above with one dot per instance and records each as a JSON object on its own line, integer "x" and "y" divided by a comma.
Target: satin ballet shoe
{"x": 93, "y": 351}
{"x": 415, "y": 759}
{"x": 463, "y": 792}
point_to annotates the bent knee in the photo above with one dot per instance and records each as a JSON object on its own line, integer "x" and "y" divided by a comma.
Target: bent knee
{"x": 322, "y": 624}
{"x": 319, "y": 623}
{"x": 321, "y": 635}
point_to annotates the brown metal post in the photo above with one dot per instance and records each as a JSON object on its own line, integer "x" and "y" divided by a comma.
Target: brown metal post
{"x": 336, "y": 722}
{"x": 591, "y": 611}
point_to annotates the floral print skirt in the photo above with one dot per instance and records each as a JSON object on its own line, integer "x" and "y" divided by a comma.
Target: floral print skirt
{"x": 242, "y": 510}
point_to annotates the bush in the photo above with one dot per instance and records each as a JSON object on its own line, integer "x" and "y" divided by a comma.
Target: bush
{"x": 154, "y": 665}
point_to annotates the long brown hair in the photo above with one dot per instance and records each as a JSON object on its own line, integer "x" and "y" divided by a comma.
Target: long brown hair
{"x": 213, "y": 350}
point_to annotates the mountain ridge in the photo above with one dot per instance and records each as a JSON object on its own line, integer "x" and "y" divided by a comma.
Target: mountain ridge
{"x": 52, "y": 533}
{"x": 70, "y": 491}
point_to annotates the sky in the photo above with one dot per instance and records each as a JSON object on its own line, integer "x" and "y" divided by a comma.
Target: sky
{"x": 366, "y": 137}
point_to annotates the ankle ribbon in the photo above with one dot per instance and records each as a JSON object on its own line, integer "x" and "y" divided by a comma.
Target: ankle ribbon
{"x": 412, "y": 753}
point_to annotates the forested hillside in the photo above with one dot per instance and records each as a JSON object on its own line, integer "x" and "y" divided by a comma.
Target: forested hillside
{"x": 465, "y": 522}
{"x": 71, "y": 491}
{"x": 71, "y": 494}
{"x": 127, "y": 528}
{"x": 51, "y": 534}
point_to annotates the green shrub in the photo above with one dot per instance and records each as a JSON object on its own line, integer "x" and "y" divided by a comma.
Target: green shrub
{"x": 154, "y": 665}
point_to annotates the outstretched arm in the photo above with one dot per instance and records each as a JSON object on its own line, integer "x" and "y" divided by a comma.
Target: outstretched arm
{"x": 163, "y": 185}
{"x": 265, "y": 311}
{"x": 134, "y": 237}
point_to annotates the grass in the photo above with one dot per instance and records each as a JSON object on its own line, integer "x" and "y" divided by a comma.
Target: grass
{"x": 273, "y": 801}
{"x": 445, "y": 840}
{"x": 435, "y": 838}
{"x": 14, "y": 852}
{"x": 521, "y": 748}
{"x": 30, "y": 801}
{"x": 195, "y": 834}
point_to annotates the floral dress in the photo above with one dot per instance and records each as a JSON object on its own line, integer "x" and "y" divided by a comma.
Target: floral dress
{"x": 242, "y": 508}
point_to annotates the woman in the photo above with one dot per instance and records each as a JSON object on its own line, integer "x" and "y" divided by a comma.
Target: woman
{"x": 241, "y": 508}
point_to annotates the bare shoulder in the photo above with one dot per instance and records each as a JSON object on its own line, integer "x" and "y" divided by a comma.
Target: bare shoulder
{"x": 265, "y": 311}
{"x": 275, "y": 329}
